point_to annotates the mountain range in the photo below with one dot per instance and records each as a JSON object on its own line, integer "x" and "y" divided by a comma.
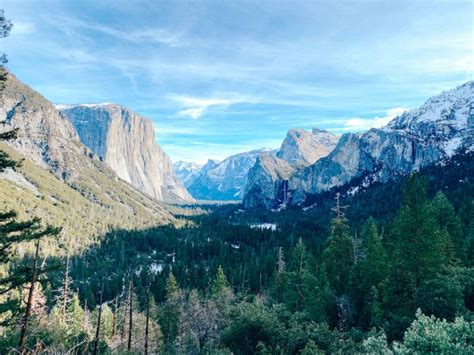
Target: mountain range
{"x": 227, "y": 180}
{"x": 90, "y": 146}
{"x": 427, "y": 135}
{"x": 224, "y": 180}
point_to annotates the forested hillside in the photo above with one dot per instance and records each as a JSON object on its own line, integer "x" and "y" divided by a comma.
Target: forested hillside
{"x": 327, "y": 279}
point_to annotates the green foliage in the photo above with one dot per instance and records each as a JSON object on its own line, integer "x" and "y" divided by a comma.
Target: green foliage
{"x": 430, "y": 335}
{"x": 5, "y": 27}
{"x": 339, "y": 256}
{"x": 220, "y": 286}
{"x": 417, "y": 253}
{"x": 369, "y": 274}
{"x": 13, "y": 279}
{"x": 376, "y": 343}
{"x": 311, "y": 286}
{"x": 252, "y": 324}
{"x": 450, "y": 224}
{"x": 171, "y": 311}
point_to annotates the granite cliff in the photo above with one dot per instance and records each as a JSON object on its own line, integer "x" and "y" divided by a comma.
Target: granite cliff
{"x": 126, "y": 142}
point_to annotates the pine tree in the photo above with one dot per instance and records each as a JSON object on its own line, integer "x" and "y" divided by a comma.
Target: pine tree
{"x": 417, "y": 253}
{"x": 99, "y": 319}
{"x": 147, "y": 325}
{"x": 130, "y": 317}
{"x": 450, "y": 223}
{"x": 468, "y": 243}
{"x": 370, "y": 272}
{"x": 338, "y": 254}
{"x": 5, "y": 27}
{"x": 220, "y": 286}
{"x": 299, "y": 267}
{"x": 12, "y": 233}
{"x": 171, "y": 311}
{"x": 75, "y": 315}
{"x": 64, "y": 298}
{"x": 280, "y": 277}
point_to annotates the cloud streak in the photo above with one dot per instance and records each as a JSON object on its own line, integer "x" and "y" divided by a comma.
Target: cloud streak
{"x": 195, "y": 107}
{"x": 228, "y": 75}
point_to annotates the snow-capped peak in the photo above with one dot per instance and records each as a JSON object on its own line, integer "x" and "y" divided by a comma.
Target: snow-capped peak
{"x": 451, "y": 107}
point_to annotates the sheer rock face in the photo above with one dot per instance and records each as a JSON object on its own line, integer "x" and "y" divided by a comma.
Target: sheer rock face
{"x": 268, "y": 180}
{"x": 427, "y": 135}
{"x": 304, "y": 148}
{"x": 126, "y": 142}
{"x": 51, "y": 142}
{"x": 223, "y": 180}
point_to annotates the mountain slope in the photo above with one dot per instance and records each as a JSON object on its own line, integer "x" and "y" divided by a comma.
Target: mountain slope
{"x": 61, "y": 175}
{"x": 186, "y": 172}
{"x": 415, "y": 139}
{"x": 126, "y": 142}
{"x": 267, "y": 183}
{"x": 223, "y": 180}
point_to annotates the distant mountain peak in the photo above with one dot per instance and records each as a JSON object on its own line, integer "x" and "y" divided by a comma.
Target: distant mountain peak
{"x": 304, "y": 148}
{"x": 220, "y": 180}
{"x": 451, "y": 107}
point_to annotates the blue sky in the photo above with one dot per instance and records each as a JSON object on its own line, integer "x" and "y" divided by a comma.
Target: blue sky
{"x": 222, "y": 77}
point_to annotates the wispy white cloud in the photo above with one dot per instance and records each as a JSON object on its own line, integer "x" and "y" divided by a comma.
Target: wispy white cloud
{"x": 71, "y": 25}
{"x": 361, "y": 124}
{"x": 195, "y": 107}
{"x": 251, "y": 71}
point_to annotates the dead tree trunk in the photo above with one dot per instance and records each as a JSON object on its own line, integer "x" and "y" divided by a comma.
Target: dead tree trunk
{"x": 114, "y": 319}
{"x": 65, "y": 291}
{"x": 124, "y": 319}
{"x": 130, "y": 323}
{"x": 147, "y": 317}
{"x": 29, "y": 304}
{"x": 97, "y": 332}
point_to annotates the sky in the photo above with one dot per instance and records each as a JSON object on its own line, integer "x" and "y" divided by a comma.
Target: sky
{"x": 222, "y": 77}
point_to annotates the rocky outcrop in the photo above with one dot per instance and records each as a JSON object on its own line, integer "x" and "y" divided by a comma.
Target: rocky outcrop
{"x": 267, "y": 183}
{"x": 43, "y": 136}
{"x": 302, "y": 148}
{"x": 126, "y": 142}
{"x": 417, "y": 138}
{"x": 49, "y": 142}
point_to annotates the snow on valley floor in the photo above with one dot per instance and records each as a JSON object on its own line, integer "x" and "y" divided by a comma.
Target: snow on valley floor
{"x": 270, "y": 226}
